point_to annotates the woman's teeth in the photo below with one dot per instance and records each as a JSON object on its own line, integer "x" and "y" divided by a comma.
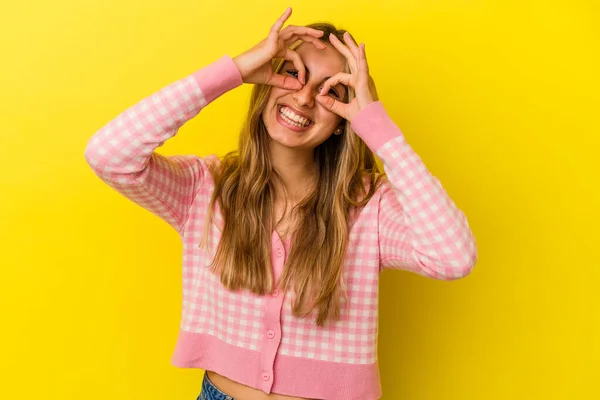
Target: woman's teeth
{"x": 294, "y": 119}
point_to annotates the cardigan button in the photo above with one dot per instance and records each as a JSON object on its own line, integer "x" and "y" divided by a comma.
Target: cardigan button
{"x": 270, "y": 334}
{"x": 275, "y": 293}
{"x": 265, "y": 376}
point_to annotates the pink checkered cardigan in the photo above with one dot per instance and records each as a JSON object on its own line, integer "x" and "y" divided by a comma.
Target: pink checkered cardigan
{"x": 410, "y": 223}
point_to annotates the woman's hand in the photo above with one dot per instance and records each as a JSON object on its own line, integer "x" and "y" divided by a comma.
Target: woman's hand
{"x": 358, "y": 79}
{"x": 255, "y": 64}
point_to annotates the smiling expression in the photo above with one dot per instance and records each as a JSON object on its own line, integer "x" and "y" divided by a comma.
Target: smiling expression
{"x": 293, "y": 117}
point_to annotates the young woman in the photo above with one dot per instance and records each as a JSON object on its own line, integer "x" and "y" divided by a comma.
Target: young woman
{"x": 285, "y": 238}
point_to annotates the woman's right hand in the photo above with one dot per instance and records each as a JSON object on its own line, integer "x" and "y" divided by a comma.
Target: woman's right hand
{"x": 255, "y": 64}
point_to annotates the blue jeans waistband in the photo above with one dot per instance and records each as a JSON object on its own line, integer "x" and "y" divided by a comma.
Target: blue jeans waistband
{"x": 211, "y": 392}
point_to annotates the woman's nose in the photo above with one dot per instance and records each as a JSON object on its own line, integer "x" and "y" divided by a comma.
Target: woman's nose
{"x": 306, "y": 95}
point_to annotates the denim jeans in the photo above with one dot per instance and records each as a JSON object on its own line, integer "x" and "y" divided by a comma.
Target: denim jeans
{"x": 210, "y": 391}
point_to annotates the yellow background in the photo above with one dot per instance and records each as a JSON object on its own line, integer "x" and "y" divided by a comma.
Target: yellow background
{"x": 500, "y": 99}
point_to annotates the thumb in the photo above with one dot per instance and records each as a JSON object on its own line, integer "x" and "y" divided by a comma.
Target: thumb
{"x": 284, "y": 82}
{"x": 333, "y": 105}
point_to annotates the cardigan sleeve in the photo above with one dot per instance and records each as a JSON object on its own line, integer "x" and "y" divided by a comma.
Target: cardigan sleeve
{"x": 420, "y": 228}
{"x": 122, "y": 153}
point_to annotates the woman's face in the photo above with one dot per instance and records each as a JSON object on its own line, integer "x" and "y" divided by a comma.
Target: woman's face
{"x": 293, "y": 117}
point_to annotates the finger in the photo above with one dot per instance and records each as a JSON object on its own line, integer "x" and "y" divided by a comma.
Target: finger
{"x": 362, "y": 60}
{"x": 342, "y": 48}
{"x": 333, "y": 105}
{"x": 281, "y": 20}
{"x": 340, "y": 77}
{"x": 316, "y": 42}
{"x": 294, "y": 57}
{"x": 292, "y": 30}
{"x": 362, "y": 77}
{"x": 276, "y": 27}
{"x": 368, "y": 90}
{"x": 351, "y": 45}
{"x": 285, "y": 82}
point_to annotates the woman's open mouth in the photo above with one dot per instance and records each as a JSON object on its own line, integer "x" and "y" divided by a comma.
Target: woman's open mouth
{"x": 289, "y": 119}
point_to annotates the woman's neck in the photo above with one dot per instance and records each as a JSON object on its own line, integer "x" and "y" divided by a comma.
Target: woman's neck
{"x": 298, "y": 172}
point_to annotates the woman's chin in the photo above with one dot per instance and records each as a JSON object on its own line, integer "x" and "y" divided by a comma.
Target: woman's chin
{"x": 286, "y": 140}
{"x": 283, "y": 137}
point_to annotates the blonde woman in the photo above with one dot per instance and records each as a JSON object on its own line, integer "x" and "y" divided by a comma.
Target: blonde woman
{"x": 285, "y": 238}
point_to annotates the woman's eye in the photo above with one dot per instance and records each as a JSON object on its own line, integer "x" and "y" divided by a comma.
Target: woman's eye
{"x": 294, "y": 73}
{"x": 332, "y": 91}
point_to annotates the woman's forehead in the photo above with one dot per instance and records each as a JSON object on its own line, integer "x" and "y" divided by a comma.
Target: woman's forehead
{"x": 324, "y": 62}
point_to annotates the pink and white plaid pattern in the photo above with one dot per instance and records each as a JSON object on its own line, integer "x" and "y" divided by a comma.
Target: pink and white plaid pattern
{"x": 420, "y": 228}
{"x": 411, "y": 223}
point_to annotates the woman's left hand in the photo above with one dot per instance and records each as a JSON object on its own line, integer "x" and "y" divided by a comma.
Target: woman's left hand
{"x": 358, "y": 79}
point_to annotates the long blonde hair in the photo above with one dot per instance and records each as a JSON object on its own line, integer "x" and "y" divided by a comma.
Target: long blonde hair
{"x": 245, "y": 190}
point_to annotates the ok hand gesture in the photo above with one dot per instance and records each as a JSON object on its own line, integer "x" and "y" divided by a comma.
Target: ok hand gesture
{"x": 358, "y": 79}
{"x": 255, "y": 64}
